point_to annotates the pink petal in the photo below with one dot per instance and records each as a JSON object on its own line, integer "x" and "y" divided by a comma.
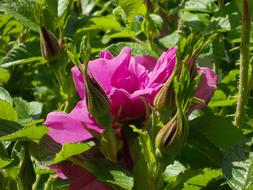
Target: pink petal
{"x": 80, "y": 178}
{"x": 106, "y": 54}
{"x": 147, "y": 61}
{"x": 67, "y": 128}
{"x": 104, "y": 69}
{"x": 207, "y": 86}
{"x": 126, "y": 105}
{"x": 78, "y": 81}
{"x": 163, "y": 68}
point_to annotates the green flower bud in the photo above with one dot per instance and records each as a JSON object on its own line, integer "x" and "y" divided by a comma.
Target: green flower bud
{"x": 85, "y": 49}
{"x": 98, "y": 103}
{"x": 164, "y": 101}
{"x": 50, "y": 46}
{"x": 171, "y": 138}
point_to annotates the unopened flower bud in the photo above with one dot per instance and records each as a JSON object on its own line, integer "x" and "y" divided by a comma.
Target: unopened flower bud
{"x": 98, "y": 103}
{"x": 50, "y": 46}
{"x": 164, "y": 101}
{"x": 85, "y": 49}
{"x": 171, "y": 138}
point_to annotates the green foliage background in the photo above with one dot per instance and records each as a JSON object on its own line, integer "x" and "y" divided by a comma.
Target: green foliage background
{"x": 217, "y": 155}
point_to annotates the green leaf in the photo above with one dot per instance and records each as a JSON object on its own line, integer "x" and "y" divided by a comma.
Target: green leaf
{"x": 136, "y": 48}
{"x": 22, "y": 51}
{"x": 45, "y": 150}
{"x": 70, "y": 149}
{"x": 222, "y": 103}
{"x": 112, "y": 173}
{"x": 8, "y": 127}
{"x": 4, "y": 157}
{"x": 27, "y": 109}
{"x": 11, "y": 131}
{"x": 219, "y": 131}
{"x": 172, "y": 171}
{"x": 4, "y": 75}
{"x": 170, "y": 40}
{"x": 7, "y": 112}
{"x": 4, "y": 95}
{"x": 27, "y": 174}
{"x": 147, "y": 149}
{"x": 38, "y": 60}
{"x": 130, "y": 7}
{"x": 25, "y": 11}
{"x": 52, "y": 6}
{"x": 194, "y": 179}
{"x": 200, "y": 181}
{"x": 238, "y": 165}
{"x": 200, "y": 5}
{"x": 63, "y": 6}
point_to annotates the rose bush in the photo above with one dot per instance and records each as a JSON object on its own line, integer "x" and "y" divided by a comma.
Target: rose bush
{"x": 130, "y": 83}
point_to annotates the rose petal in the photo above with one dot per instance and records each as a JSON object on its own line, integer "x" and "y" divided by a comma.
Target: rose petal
{"x": 207, "y": 86}
{"x": 68, "y": 128}
{"x": 104, "y": 69}
{"x": 78, "y": 81}
{"x": 126, "y": 105}
{"x": 163, "y": 68}
{"x": 106, "y": 54}
{"x": 81, "y": 179}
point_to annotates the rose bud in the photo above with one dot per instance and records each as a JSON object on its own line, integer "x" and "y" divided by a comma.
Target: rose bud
{"x": 164, "y": 101}
{"x": 171, "y": 138}
{"x": 97, "y": 102}
{"x": 50, "y": 46}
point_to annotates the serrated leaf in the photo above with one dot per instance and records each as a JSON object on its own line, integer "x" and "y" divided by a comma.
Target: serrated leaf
{"x": 130, "y": 7}
{"x": 25, "y": 11}
{"x": 238, "y": 166}
{"x": 147, "y": 149}
{"x": 70, "y": 149}
{"x": 22, "y": 51}
{"x": 7, "y": 112}
{"x": 11, "y": 131}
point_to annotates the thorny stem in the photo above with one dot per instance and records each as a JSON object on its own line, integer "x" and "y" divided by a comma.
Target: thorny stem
{"x": 244, "y": 65}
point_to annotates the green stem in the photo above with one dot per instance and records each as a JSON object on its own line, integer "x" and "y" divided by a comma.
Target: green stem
{"x": 48, "y": 185}
{"x": 244, "y": 65}
{"x": 159, "y": 179}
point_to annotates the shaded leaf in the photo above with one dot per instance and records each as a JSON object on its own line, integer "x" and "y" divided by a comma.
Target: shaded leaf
{"x": 11, "y": 131}
{"x": 238, "y": 165}
{"x": 7, "y": 112}
{"x": 70, "y": 149}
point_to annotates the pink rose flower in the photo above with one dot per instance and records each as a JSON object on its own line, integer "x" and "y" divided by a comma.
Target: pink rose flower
{"x": 130, "y": 83}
